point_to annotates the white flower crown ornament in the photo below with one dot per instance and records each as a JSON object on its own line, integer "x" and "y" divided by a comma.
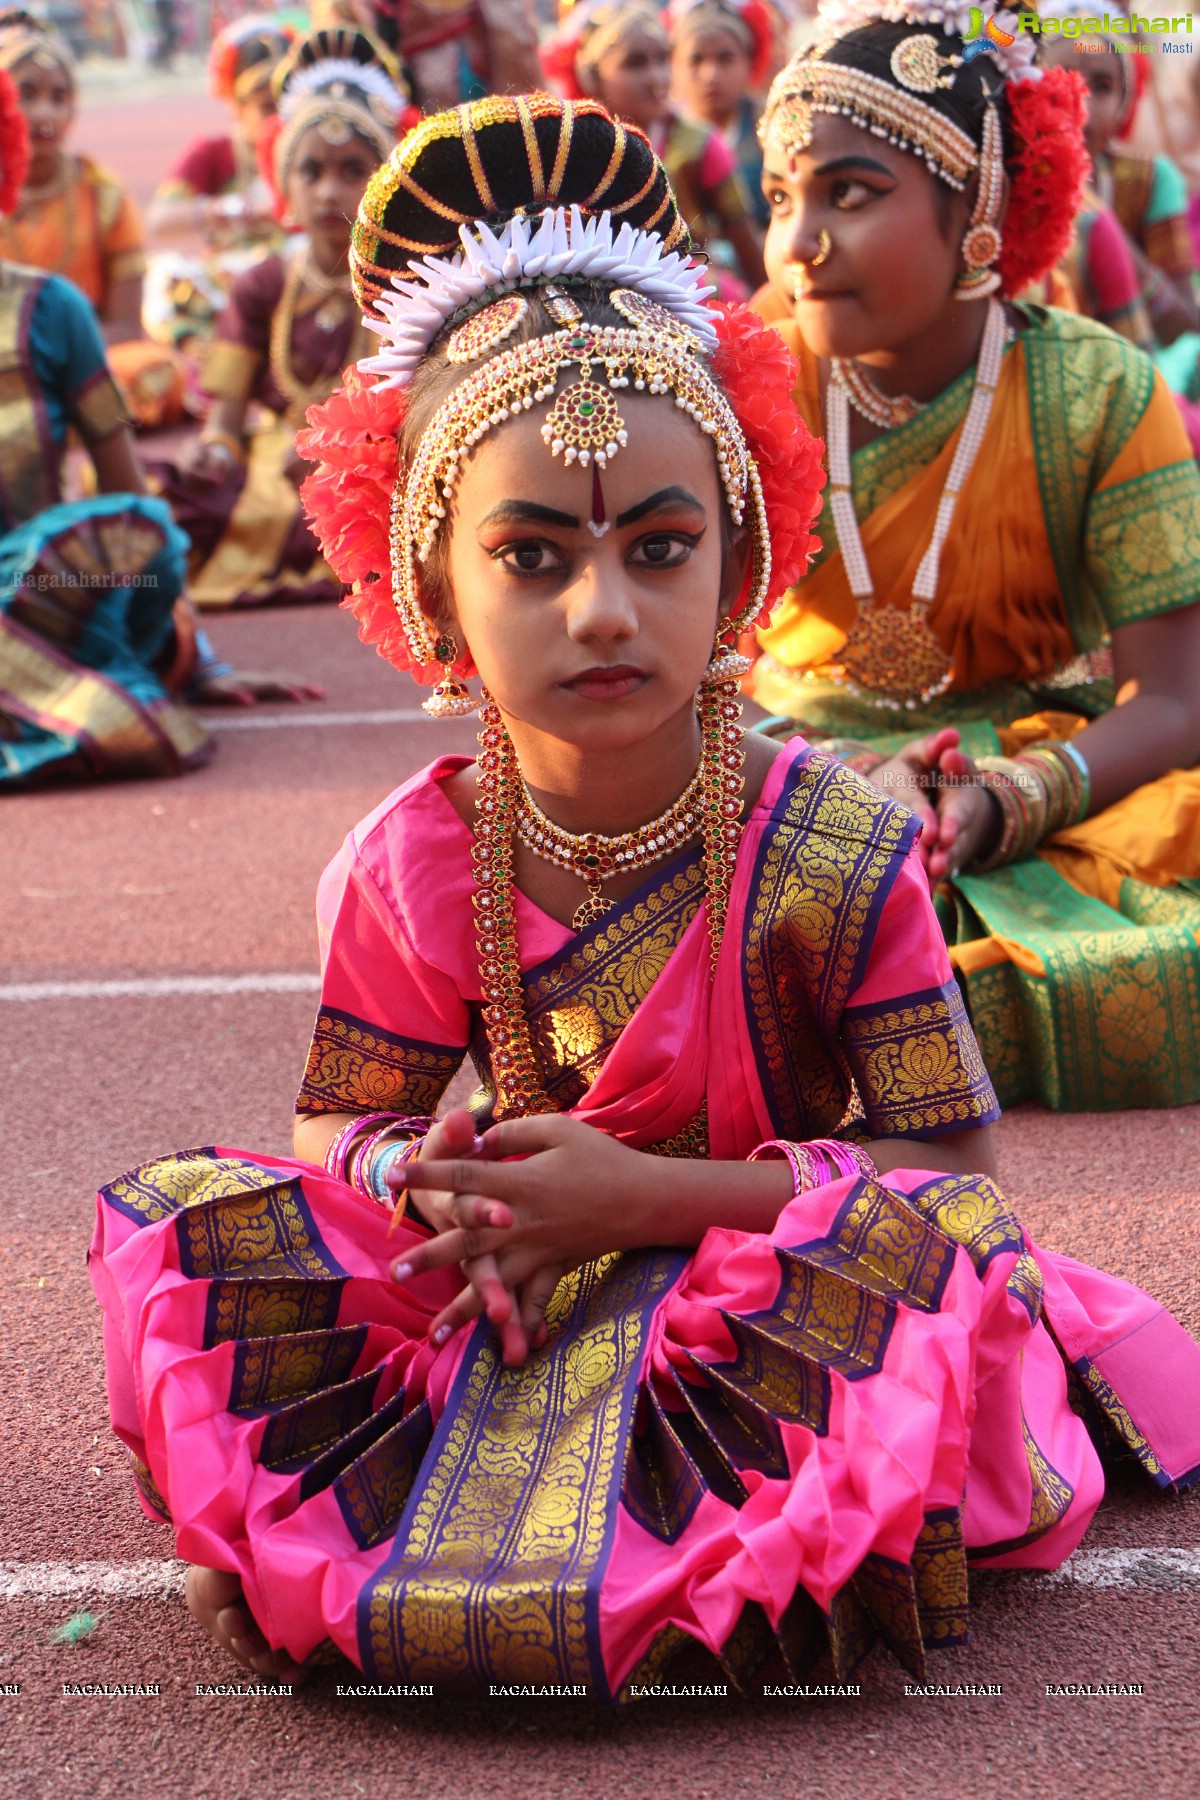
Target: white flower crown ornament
{"x": 367, "y": 78}
{"x": 561, "y": 245}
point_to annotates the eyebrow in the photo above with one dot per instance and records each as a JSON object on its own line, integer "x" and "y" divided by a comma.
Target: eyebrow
{"x": 670, "y": 496}
{"x": 853, "y": 162}
{"x": 528, "y": 512}
{"x": 835, "y": 168}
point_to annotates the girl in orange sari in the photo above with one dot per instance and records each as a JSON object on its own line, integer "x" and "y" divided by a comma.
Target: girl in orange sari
{"x": 75, "y": 219}
{"x": 1004, "y": 614}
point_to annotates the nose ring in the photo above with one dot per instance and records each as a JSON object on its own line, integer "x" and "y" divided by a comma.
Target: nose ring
{"x": 824, "y": 246}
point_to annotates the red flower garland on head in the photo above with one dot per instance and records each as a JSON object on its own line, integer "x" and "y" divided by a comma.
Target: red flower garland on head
{"x": 14, "y": 145}
{"x": 557, "y": 57}
{"x": 1141, "y": 81}
{"x": 353, "y": 440}
{"x": 757, "y": 373}
{"x": 1048, "y": 118}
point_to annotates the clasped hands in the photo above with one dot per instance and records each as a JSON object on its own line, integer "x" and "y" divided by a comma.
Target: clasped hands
{"x": 515, "y": 1228}
{"x": 936, "y": 779}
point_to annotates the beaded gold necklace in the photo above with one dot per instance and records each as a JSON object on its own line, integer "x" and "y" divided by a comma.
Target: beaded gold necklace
{"x": 868, "y": 398}
{"x": 301, "y": 395}
{"x": 595, "y": 858}
{"x": 515, "y": 1071}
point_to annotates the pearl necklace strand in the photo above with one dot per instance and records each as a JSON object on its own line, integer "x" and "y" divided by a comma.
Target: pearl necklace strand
{"x": 837, "y": 427}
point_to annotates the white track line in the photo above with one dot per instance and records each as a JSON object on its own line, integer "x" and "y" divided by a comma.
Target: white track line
{"x": 78, "y": 1580}
{"x": 1130, "y": 1569}
{"x": 1152, "y": 1569}
{"x": 158, "y": 987}
{"x": 223, "y": 719}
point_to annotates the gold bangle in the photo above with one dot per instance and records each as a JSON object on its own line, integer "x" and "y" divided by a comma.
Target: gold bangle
{"x": 1021, "y": 794}
{"x": 227, "y": 441}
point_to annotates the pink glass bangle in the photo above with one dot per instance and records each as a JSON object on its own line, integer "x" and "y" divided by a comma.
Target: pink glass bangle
{"x": 847, "y": 1158}
{"x": 338, "y": 1156}
{"x": 816, "y": 1163}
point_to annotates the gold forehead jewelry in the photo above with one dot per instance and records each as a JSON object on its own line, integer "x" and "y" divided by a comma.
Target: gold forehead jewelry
{"x": 486, "y": 330}
{"x": 584, "y": 424}
{"x": 815, "y": 86}
{"x": 336, "y": 122}
{"x": 559, "y": 304}
{"x": 920, "y": 66}
{"x": 641, "y": 311}
{"x": 334, "y": 129}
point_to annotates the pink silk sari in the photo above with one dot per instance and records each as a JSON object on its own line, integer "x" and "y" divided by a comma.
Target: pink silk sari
{"x": 779, "y": 1445}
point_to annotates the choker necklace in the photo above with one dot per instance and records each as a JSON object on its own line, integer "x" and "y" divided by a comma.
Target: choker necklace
{"x": 595, "y": 858}
{"x": 501, "y": 797}
{"x": 337, "y": 289}
{"x": 314, "y": 276}
{"x": 867, "y": 398}
{"x": 891, "y": 657}
{"x": 47, "y": 190}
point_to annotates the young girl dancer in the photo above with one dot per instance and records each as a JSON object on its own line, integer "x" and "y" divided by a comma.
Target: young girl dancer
{"x": 288, "y": 330}
{"x": 766, "y": 1358}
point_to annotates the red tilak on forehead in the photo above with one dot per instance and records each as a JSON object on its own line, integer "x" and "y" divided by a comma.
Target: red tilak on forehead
{"x": 598, "y": 523}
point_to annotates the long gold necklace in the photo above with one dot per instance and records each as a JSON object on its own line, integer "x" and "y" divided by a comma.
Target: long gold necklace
{"x": 515, "y": 1070}
{"x": 892, "y": 657}
{"x": 300, "y": 395}
{"x": 595, "y": 858}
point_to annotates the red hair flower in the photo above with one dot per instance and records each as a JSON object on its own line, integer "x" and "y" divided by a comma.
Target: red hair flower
{"x": 1048, "y": 118}
{"x": 352, "y": 438}
{"x": 757, "y": 372}
{"x": 14, "y": 146}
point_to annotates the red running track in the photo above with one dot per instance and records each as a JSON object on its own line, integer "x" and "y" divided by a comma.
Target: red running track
{"x": 213, "y": 875}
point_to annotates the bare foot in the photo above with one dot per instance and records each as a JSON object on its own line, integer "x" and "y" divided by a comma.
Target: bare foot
{"x": 244, "y": 689}
{"x": 215, "y": 1598}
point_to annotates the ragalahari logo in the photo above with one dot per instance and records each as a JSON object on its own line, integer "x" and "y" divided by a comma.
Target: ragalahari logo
{"x": 982, "y": 33}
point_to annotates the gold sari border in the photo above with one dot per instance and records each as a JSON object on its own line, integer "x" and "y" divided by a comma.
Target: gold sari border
{"x": 500, "y": 1556}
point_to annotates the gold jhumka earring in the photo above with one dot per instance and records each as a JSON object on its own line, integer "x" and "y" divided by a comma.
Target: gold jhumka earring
{"x": 449, "y": 699}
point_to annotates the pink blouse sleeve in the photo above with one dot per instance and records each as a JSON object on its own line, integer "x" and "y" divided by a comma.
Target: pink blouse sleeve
{"x": 905, "y": 1029}
{"x": 391, "y": 1029}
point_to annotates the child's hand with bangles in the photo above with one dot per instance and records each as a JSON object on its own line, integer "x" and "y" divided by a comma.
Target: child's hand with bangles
{"x": 454, "y": 1140}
